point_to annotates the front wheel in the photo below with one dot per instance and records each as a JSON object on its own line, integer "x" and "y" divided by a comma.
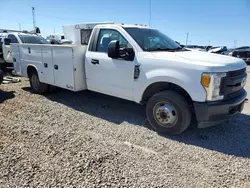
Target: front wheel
{"x": 36, "y": 85}
{"x": 168, "y": 113}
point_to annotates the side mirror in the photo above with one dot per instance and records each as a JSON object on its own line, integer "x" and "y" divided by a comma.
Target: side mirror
{"x": 115, "y": 52}
{"x": 7, "y": 41}
{"x": 113, "y": 49}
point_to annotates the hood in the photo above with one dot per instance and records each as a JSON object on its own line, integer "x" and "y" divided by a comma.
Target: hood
{"x": 216, "y": 62}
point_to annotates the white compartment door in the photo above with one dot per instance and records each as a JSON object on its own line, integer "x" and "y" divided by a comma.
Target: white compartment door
{"x": 47, "y": 67}
{"x": 63, "y": 67}
{"x": 16, "y": 60}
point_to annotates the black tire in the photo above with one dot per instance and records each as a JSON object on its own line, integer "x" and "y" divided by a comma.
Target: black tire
{"x": 181, "y": 113}
{"x": 1, "y": 77}
{"x": 37, "y": 87}
{"x": 3, "y": 67}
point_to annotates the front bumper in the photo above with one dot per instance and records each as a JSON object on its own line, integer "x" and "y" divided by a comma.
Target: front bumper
{"x": 213, "y": 113}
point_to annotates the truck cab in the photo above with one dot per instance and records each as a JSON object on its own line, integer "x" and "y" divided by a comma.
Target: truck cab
{"x": 141, "y": 64}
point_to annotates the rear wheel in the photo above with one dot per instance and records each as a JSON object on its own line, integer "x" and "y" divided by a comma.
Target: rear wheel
{"x": 36, "y": 85}
{"x": 168, "y": 113}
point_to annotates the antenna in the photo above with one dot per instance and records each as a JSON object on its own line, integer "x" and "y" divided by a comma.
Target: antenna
{"x": 235, "y": 43}
{"x": 187, "y": 39}
{"x": 34, "y": 19}
{"x": 19, "y": 26}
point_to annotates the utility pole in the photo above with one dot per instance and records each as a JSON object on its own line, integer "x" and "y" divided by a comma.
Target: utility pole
{"x": 19, "y": 26}
{"x": 149, "y": 21}
{"x": 34, "y": 19}
{"x": 187, "y": 39}
{"x": 235, "y": 43}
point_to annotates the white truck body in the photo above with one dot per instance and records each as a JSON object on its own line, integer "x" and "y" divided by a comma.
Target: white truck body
{"x": 70, "y": 73}
{"x": 201, "y": 78}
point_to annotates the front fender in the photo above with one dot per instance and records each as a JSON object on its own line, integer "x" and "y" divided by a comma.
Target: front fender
{"x": 189, "y": 82}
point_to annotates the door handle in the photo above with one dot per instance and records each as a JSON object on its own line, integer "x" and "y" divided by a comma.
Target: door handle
{"x": 56, "y": 67}
{"x": 45, "y": 65}
{"x": 94, "y": 61}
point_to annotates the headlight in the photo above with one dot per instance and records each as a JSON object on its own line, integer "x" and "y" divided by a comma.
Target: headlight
{"x": 211, "y": 82}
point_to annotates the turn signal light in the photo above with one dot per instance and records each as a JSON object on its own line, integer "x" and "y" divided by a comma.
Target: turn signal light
{"x": 205, "y": 80}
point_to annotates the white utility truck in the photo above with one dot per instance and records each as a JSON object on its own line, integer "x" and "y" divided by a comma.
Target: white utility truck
{"x": 141, "y": 64}
{"x": 12, "y": 36}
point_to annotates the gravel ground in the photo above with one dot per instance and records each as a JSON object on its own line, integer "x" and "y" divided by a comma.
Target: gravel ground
{"x": 86, "y": 139}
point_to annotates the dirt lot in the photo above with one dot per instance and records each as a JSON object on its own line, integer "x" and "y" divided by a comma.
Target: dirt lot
{"x": 86, "y": 139}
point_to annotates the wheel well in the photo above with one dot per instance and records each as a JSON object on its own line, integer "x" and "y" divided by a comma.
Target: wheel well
{"x": 30, "y": 69}
{"x": 161, "y": 86}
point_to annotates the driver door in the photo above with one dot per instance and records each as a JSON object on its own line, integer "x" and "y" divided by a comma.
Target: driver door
{"x": 7, "y": 52}
{"x": 106, "y": 75}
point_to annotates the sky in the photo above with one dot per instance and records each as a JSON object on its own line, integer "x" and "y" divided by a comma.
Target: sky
{"x": 214, "y": 22}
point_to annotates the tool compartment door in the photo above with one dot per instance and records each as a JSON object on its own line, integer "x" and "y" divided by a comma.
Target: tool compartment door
{"x": 47, "y": 67}
{"x": 16, "y": 59}
{"x": 31, "y": 55}
{"x": 63, "y": 67}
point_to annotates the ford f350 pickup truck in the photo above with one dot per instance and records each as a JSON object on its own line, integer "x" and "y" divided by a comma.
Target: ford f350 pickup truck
{"x": 141, "y": 64}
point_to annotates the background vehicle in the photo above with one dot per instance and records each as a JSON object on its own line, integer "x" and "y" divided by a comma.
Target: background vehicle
{"x": 196, "y": 47}
{"x": 243, "y": 53}
{"x": 11, "y": 36}
{"x": 140, "y": 64}
{"x": 55, "y": 38}
{"x": 242, "y": 48}
{"x": 219, "y": 50}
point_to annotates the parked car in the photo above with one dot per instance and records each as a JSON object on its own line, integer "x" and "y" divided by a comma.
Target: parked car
{"x": 241, "y": 53}
{"x": 242, "y": 48}
{"x": 196, "y": 47}
{"x": 219, "y": 50}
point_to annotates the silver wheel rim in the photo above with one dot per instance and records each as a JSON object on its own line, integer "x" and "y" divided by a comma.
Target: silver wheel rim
{"x": 165, "y": 114}
{"x": 35, "y": 82}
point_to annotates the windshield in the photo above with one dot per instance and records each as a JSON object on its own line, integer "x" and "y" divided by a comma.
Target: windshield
{"x": 33, "y": 39}
{"x": 152, "y": 40}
